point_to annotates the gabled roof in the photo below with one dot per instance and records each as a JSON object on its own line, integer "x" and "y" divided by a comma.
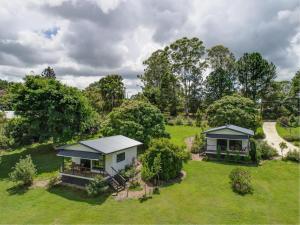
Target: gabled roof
{"x": 80, "y": 154}
{"x": 110, "y": 144}
{"x": 232, "y": 127}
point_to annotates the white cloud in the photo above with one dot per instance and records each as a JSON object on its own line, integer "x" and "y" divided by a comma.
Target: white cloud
{"x": 97, "y": 37}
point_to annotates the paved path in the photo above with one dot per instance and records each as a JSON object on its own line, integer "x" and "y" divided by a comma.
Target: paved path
{"x": 274, "y": 139}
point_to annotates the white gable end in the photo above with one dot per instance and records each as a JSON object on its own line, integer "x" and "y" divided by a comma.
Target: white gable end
{"x": 226, "y": 131}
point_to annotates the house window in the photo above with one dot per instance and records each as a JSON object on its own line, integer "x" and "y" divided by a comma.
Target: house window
{"x": 98, "y": 164}
{"x": 121, "y": 157}
{"x": 235, "y": 145}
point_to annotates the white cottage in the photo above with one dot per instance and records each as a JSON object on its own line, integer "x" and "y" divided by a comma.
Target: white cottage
{"x": 228, "y": 138}
{"x": 105, "y": 156}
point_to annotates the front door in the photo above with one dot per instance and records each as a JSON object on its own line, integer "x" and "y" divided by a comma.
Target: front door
{"x": 86, "y": 163}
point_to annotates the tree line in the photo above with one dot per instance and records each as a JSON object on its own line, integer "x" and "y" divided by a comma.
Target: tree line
{"x": 182, "y": 78}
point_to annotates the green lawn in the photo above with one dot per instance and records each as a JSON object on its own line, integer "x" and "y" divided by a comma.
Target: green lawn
{"x": 204, "y": 196}
{"x": 179, "y": 133}
{"x": 283, "y": 131}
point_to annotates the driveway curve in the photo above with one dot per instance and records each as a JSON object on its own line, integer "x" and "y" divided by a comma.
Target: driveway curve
{"x": 273, "y": 139}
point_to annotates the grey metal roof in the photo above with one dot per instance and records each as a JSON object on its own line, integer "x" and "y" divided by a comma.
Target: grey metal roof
{"x": 232, "y": 127}
{"x": 80, "y": 154}
{"x": 111, "y": 144}
{"x": 76, "y": 147}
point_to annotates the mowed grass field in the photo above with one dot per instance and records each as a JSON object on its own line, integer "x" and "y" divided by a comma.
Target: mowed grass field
{"x": 180, "y": 133}
{"x": 203, "y": 197}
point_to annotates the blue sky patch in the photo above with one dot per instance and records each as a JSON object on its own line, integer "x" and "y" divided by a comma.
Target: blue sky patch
{"x": 51, "y": 32}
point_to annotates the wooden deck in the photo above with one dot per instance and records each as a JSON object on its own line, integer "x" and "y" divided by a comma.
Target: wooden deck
{"x": 81, "y": 172}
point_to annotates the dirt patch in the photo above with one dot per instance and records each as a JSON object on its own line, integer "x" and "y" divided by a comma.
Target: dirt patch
{"x": 197, "y": 157}
{"x": 39, "y": 183}
{"x": 189, "y": 142}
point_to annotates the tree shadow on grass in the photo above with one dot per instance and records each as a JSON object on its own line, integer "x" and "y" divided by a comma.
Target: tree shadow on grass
{"x": 18, "y": 189}
{"x": 75, "y": 194}
{"x": 232, "y": 163}
{"x": 43, "y": 156}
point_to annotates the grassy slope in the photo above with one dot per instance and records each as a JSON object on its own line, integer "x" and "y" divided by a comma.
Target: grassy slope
{"x": 179, "y": 133}
{"x": 282, "y": 131}
{"x": 203, "y": 197}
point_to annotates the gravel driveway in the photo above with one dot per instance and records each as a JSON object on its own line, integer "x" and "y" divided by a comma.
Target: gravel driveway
{"x": 274, "y": 139}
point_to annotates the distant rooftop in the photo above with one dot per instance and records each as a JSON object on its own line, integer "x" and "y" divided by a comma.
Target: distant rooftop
{"x": 111, "y": 144}
{"x": 232, "y": 127}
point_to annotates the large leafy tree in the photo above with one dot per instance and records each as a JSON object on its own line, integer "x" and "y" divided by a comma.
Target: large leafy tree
{"x": 221, "y": 80}
{"x": 295, "y": 89}
{"x": 235, "y": 109}
{"x": 255, "y": 74}
{"x": 135, "y": 119}
{"x": 188, "y": 65}
{"x": 160, "y": 85}
{"x": 49, "y": 73}
{"x": 107, "y": 93}
{"x": 273, "y": 105}
{"x": 53, "y": 110}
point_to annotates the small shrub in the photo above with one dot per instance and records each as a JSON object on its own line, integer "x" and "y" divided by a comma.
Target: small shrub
{"x": 227, "y": 156}
{"x": 197, "y": 144}
{"x": 293, "y": 155}
{"x": 23, "y": 171}
{"x": 265, "y": 150}
{"x": 218, "y": 153}
{"x": 259, "y": 133}
{"x": 156, "y": 191}
{"x": 179, "y": 121}
{"x": 237, "y": 157}
{"x": 240, "y": 180}
{"x": 282, "y": 146}
{"x": 53, "y": 181}
{"x": 284, "y": 120}
{"x": 199, "y": 116}
{"x": 96, "y": 186}
{"x": 129, "y": 172}
{"x": 171, "y": 122}
{"x": 189, "y": 122}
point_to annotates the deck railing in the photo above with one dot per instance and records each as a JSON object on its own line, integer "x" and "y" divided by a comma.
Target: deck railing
{"x": 81, "y": 171}
{"x": 213, "y": 149}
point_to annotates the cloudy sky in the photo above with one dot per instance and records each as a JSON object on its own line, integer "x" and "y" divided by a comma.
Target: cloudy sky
{"x": 86, "y": 39}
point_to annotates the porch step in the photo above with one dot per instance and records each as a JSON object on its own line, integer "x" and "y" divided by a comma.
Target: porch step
{"x": 114, "y": 184}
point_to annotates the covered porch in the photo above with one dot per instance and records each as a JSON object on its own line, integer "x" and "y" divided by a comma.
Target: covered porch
{"x": 228, "y": 139}
{"x": 82, "y": 164}
{"x": 227, "y": 146}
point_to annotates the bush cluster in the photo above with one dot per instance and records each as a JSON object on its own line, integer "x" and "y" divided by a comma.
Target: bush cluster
{"x": 96, "y": 186}
{"x": 53, "y": 181}
{"x": 259, "y": 133}
{"x": 240, "y": 180}
{"x": 180, "y": 121}
{"x": 265, "y": 151}
{"x": 293, "y": 155}
{"x": 163, "y": 160}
